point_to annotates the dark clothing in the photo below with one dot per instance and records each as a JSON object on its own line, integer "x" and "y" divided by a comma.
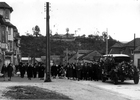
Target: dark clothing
{"x": 78, "y": 71}
{"x": 9, "y": 70}
{"x": 22, "y": 71}
{"x": 34, "y": 71}
{"x": 4, "y": 69}
{"x": 29, "y": 71}
{"x": 54, "y": 71}
{"x": 41, "y": 70}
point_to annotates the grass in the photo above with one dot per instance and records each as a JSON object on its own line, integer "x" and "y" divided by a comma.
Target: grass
{"x": 33, "y": 92}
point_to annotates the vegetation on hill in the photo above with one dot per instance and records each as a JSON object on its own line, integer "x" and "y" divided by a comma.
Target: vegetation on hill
{"x": 36, "y": 46}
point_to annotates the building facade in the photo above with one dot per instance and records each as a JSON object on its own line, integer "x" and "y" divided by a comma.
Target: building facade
{"x": 9, "y": 37}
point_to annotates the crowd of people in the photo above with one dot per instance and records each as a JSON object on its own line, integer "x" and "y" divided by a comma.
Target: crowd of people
{"x": 35, "y": 70}
{"x": 77, "y": 71}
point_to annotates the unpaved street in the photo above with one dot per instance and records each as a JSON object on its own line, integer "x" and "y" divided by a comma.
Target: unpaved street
{"x": 81, "y": 90}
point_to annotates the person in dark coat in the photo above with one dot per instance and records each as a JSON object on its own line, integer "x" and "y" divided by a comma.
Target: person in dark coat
{"x": 74, "y": 71}
{"x": 78, "y": 71}
{"x": 68, "y": 70}
{"x": 4, "y": 71}
{"x": 34, "y": 70}
{"x": 9, "y": 70}
{"x": 41, "y": 70}
{"x": 54, "y": 71}
{"x": 29, "y": 71}
{"x": 22, "y": 70}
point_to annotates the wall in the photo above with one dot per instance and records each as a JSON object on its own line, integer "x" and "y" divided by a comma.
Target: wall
{"x": 1, "y": 12}
{"x": 10, "y": 34}
{"x": 136, "y": 57}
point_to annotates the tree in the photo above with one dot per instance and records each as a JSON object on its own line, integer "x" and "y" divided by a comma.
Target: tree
{"x": 36, "y": 31}
{"x": 105, "y": 35}
{"x": 67, "y": 30}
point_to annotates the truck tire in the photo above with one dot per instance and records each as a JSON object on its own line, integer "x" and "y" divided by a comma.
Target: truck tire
{"x": 136, "y": 79}
{"x": 115, "y": 79}
{"x": 103, "y": 79}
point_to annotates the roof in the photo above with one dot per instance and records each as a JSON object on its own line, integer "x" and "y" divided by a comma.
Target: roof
{"x": 84, "y": 51}
{"x": 3, "y": 22}
{"x": 131, "y": 43}
{"x": 116, "y": 55}
{"x": 92, "y": 55}
{"x": 137, "y": 50}
{"x": 5, "y": 5}
{"x": 25, "y": 58}
{"x": 118, "y": 44}
{"x": 10, "y": 24}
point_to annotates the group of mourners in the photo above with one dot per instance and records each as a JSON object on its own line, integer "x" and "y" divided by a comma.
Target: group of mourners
{"x": 35, "y": 70}
{"x": 78, "y": 71}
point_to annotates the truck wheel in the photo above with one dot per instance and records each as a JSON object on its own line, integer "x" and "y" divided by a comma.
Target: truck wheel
{"x": 136, "y": 79}
{"x": 122, "y": 79}
{"x": 116, "y": 80}
{"x": 103, "y": 79}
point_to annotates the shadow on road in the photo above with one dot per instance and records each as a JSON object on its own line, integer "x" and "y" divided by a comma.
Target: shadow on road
{"x": 121, "y": 83}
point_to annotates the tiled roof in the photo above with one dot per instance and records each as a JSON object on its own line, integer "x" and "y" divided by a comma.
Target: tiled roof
{"x": 137, "y": 50}
{"x": 5, "y": 5}
{"x": 92, "y": 55}
{"x": 84, "y": 51}
{"x": 118, "y": 45}
{"x": 131, "y": 43}
{"x": 9, "y": 24}
{"x": 3, "y": 22}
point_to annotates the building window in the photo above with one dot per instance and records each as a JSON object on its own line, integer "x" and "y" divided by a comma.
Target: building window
{"x": 9, "y": 31}
{"x": 3, "y": 35}
{"x": 132, "y": 51}
{"x": 7, "y": 14}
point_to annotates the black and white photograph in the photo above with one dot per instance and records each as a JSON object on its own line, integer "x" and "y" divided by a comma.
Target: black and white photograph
{"x": 70, "y": 49}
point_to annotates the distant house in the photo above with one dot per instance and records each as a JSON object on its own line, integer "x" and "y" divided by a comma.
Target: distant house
{"x": 26, "y": 59}
{"x": 55, "y": 59}
{"x": 30, "y": 60}
{"x": 63, "y": 37}
{"x": 125, "y": 48}
{"x": 137, "y": 57}
{"x": 85, "y": 55}
{"x": 93, "y": 55}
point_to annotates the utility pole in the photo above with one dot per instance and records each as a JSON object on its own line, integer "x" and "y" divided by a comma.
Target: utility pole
{"x": 67, "y": 55}
{"x": 107, "y": 41}
{"x": 48, "y": 69}
{"x": 134, "y": 46}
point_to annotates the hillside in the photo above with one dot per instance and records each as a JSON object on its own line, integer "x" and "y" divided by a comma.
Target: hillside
{"x": 35, "y": 46}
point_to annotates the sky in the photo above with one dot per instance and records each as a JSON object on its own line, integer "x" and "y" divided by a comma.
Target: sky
{"x": 120, "y": 18}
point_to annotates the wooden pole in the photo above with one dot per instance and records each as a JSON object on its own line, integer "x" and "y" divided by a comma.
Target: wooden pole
{"x": 67, "y": 55}
{"x": 48, "y": 70}
{"x": 134, "y": 47}
{"x": 107, "y": 41}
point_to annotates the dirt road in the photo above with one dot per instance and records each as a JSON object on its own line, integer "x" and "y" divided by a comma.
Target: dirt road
{"x": 80, "y": 90}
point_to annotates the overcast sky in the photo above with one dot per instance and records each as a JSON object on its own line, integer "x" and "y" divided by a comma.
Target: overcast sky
{"x": 120, "y": 17}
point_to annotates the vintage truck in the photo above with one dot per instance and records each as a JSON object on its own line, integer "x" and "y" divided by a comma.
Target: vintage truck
{"x": 118, "y": 67}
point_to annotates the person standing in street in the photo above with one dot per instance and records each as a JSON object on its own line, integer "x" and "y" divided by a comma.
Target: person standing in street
{"x": 78, "y": 71}
{"x": 22, "y": 70}
{"x": 34, "y": 70}
{"x": 30, "y": 72}
{"x": 4, "y": 71}
{"x": 9, "y": 70}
